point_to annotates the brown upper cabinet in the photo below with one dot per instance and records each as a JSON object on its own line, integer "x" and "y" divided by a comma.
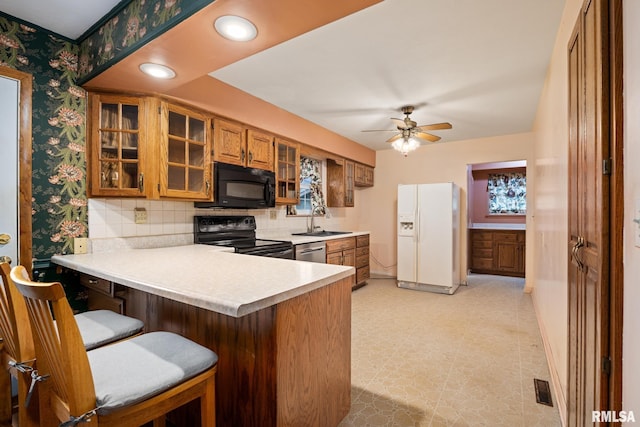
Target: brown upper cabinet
{"x": 287, "y": 172}
{"x": 141, "y": 153}
{"x": 363, "y": 175}
{"x": 340, "y": 183}
{"x": 117, "y": 146}
{"x": 238, "y": 145}
{"x": 185, "y": 154}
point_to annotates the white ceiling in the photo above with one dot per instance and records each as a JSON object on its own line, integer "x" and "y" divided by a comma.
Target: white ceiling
{"x": 479, "y": 65}
{"x": 70, "y": 18}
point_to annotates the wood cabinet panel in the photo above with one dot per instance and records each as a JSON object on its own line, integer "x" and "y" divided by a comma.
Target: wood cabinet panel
{"x": 340, "y": 244}
{"x": 287, "y": 168}
{"x": 363, "y": 175}
{"x": 117, "y": 146}
{"x": 289, "y": 364}
{"x": 229, "y": 142}
{"x": 235, "y": 144}
{"x": 147, "y": 147}
{"x": 500, "y": 252}
{"x": 185, "y": 161}
{"x": 340, "y": 183}
{"x": 259, "y": 150}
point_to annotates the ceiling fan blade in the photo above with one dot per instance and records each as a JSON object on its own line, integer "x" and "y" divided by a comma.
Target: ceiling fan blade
{"x": 426, "y": 136}
{"x": 395, "y": 137}
{"x": 400, "y": 123}
{"x": 435, "y": 126}
{"x": 380, "y": 130}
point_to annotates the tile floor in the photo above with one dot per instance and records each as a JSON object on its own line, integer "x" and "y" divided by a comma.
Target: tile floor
{"x": 468, "y": 359}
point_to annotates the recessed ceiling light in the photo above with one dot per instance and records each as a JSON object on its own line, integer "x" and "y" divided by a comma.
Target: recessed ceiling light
{"x": 158, "y": 71}
{"x": 236, "y": 28}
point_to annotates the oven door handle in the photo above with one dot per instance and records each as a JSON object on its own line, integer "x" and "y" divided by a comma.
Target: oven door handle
{"x": 308, "y": 251}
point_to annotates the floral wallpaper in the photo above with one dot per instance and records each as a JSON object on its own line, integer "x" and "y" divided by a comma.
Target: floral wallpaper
{"x": 136, "y": 24}
{"x": 59, "y": 204}
{"x": 507, "y": 193}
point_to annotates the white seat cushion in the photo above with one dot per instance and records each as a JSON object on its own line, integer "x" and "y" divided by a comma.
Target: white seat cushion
{"x": 100, "y": 327}
{"x": 134, "y": 370}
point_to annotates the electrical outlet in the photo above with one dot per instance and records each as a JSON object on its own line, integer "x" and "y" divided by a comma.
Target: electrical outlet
{"x": 140, "y": 215}
{"x": 273, "y": 214}
{"x": 80, "y": 245}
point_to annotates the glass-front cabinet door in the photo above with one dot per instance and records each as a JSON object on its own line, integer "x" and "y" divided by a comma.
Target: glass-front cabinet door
{"x": 117, "y": 142}
{"x": 287, "y": 172}
{"x": 185, "y": 156}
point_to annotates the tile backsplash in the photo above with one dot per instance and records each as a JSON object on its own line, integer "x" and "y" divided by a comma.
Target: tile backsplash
{"x": 114, "y": 218}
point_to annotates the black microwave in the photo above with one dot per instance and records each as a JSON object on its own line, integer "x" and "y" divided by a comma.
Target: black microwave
{"x": 239, "y": 187}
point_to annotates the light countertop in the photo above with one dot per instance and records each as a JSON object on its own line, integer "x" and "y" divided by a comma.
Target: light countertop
{"x": 298, "y": 240}
{"x": 208, "y": 276}
{"x": 496, "y": 226}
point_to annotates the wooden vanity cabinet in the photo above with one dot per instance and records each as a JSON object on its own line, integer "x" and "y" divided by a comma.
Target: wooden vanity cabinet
{"x": 235, "y": 144}
{"x": 287, "y": 168}
{"x": 500, "y": 252}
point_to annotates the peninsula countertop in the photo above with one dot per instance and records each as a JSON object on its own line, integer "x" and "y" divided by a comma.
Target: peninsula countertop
{"x": 208, "y": 277}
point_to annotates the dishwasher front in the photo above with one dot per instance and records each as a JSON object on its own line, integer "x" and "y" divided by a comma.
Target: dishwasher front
{"x": 312, "y": 252}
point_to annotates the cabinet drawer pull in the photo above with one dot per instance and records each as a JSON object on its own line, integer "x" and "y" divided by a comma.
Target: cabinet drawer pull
{"x": 141, "y": 182}
{"x": 93, "y": 281}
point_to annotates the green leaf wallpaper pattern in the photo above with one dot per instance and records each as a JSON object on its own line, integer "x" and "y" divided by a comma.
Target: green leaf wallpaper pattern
{"x": 59, "y": 204}
{"x": 139, "y": 22}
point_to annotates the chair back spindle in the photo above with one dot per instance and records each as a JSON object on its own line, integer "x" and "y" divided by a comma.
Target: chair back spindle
{"x": 60, "y": 346}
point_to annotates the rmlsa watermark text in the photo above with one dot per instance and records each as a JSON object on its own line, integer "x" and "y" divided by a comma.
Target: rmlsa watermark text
{"x": 613, "y": 416}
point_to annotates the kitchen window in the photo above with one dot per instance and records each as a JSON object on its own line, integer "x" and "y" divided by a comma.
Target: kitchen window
{"x": 311, "y": 184}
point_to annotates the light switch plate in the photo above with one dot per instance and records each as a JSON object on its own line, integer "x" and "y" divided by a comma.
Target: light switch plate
{"x": 80, "y": 245}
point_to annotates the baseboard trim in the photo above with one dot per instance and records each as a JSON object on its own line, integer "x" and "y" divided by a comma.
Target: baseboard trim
{"x": 553, "y": 372}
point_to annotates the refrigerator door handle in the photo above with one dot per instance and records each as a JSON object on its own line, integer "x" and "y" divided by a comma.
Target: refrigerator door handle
{"x": 416, "y": 222}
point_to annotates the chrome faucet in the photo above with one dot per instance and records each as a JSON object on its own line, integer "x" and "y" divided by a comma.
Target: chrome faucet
{"x": 312, "y": 228}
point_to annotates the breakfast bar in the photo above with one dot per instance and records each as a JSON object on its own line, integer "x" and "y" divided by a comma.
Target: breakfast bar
{"x": 281, "y": 328}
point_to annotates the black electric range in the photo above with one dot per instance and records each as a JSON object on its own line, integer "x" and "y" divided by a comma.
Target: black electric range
{"x": 238, "y": 232}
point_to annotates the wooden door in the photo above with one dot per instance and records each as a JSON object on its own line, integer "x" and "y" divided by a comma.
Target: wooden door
{"x": 589, "y": 355}
{"x": 259, "y": 150}
{"x": 16, "y": 178}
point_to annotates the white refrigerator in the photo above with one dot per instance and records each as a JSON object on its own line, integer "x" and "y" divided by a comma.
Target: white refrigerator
{"x": 429, "y": 237}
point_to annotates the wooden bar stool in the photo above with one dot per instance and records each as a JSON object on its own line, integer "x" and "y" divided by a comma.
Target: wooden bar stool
{"x": 127, "y": 383}
{"x": 97, "y": 328}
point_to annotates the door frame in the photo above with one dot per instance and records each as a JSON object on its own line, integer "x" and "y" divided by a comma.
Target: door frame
{"x": 616, "y": 195}
{"x": 25, "y": 245}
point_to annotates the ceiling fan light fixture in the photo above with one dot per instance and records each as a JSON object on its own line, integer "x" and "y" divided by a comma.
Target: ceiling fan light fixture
{"x": 157, "y": 70}
{"x": 235, "y": 28}
{"x": 405, "y": 145}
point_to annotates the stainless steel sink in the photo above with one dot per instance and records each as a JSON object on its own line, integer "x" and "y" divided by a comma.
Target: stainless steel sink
{"x": 322, "y": 233}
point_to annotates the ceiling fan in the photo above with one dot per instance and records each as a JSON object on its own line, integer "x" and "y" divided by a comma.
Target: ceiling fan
{"x": 409, "y": 130}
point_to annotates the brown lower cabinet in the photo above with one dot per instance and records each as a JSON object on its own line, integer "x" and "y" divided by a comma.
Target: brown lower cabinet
{"x": 284, "y": 365}
{"x": 353, "y": 251}
{"x": 500, "y": 252}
